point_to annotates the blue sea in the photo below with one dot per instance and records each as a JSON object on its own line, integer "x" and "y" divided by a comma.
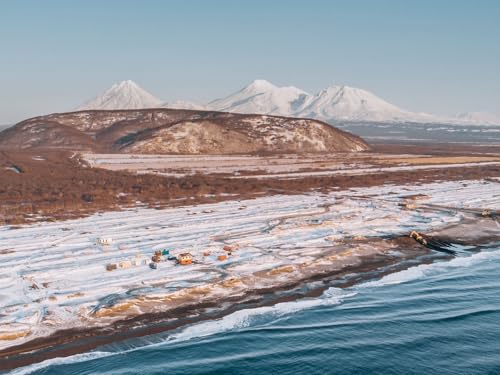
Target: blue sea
{"x": 442, "y": 318}
{"x": 410, "y": 133}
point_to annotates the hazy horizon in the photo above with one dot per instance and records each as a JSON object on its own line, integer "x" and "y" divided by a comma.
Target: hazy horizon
{"x": 434, "y": 57}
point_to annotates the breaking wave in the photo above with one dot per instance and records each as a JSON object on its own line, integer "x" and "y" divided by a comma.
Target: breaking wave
{"x": 77, "y": 358}
{"x": 424, "y": 270}
{"x": 237, "y": 320}
{"x": 248, "y": 317}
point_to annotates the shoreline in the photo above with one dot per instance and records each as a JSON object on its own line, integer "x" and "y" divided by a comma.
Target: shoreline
{"x": 74, "y": 341}
{"x": 344, "y": 263}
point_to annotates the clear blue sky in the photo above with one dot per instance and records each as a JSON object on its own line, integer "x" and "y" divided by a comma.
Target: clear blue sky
{"x": 424, "y": 55}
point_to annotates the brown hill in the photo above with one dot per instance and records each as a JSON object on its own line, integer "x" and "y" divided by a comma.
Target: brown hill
{"x": 175, "y": 131}
{"x": 45, "y": 134}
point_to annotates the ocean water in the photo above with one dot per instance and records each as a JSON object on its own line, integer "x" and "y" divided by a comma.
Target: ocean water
{"x": 424, "y": 133}
{"x": 442, "y": 318}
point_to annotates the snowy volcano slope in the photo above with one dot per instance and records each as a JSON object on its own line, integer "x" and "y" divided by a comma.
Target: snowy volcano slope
{"x": 344, "y": 103}
{"x": 335, "y": 103}
{"x": 262, "y": 97}
{"x": 340, "y": 103}
{"x": 53, "y": 276}
{"x": 123, "y": 95}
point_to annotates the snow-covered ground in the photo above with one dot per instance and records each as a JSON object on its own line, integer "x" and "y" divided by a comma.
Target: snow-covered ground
{"x": 372, "y": 170}
{"x": 178, "y": 165}
{"x": 282, "y": 166}
{"x": 53, "y": 275}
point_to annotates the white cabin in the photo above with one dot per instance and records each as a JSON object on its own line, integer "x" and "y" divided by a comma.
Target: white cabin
{"x": 105, "y": 241}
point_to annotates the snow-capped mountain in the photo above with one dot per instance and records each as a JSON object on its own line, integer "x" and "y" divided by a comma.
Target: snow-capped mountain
{"x": 262, "y": 97}
{"x": 335, "y": 103}
{"x": 478, "y": 118}
{"x": 344, "y": 103}
{"x": 339, "y": 103}
{"x": 123, "y": 95}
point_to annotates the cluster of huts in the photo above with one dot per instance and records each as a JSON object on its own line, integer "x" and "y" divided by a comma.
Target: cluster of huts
{"x": 164, "y": 255}
{"x": 127, "y": 263}
{"x": 159, "y": 256}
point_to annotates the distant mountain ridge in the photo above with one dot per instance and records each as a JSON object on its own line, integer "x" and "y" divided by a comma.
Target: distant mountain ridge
{"x": 335, "y": 103}
{"x": 479, "y": 117}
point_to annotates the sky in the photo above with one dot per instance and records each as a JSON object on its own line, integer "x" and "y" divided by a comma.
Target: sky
{"x": 439, "y": 56}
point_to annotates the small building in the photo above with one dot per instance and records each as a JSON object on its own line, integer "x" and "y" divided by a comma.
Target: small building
{"x": 125, "y": 264}
{"x": 315, "y": 222}
{"x": 105, "y": 241}
{"x": 111, "y": 266}
{"x": 157, "y": 256}
{"x": 222, "y": 257}
{"x": 229, "y": 248}
{"x": 139, "y": 260}
{"x": 185, "y": 259}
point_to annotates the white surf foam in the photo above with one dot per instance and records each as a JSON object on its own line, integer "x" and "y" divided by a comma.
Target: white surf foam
{"x": 77, "y": 358}
{"x": 237, "y": 320}
{"x": 245, "y": 318}
{"x": 425, "y": 270}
